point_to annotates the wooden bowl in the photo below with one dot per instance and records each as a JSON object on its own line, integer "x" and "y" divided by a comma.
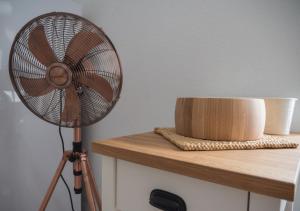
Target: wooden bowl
{"x": 221, "y": 119}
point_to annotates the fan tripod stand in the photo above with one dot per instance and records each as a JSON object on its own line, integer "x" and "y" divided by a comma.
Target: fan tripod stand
{"x": 81, "y": 169}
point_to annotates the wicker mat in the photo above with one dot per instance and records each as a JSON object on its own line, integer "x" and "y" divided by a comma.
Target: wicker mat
{"x": 192, "y": 144}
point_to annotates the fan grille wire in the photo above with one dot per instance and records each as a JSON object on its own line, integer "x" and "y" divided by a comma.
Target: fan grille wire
{"x": 59, "y": 29}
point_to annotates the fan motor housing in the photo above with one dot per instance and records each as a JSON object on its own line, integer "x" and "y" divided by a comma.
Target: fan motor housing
{"x": 59, "y": 75}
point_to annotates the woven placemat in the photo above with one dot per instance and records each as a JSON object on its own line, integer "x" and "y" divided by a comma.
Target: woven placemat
{"x": 192, "y": 144}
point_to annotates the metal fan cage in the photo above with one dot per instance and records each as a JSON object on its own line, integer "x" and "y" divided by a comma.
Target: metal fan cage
{"x": 60, "y": 28}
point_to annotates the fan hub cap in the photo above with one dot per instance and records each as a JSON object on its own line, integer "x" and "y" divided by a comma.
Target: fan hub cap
{"x": 59, "y": 75}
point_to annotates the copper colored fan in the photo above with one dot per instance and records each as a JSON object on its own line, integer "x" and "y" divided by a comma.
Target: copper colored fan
{"x": 67, "y": 72}
{"x": 61, "y": 58}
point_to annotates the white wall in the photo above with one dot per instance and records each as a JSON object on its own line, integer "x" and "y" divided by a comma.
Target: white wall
{"x": 29, "y": 147}
{"x": 172, "y": 48}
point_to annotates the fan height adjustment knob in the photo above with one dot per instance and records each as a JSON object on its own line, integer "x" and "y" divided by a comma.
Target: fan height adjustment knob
{"x": 59, "y": 75}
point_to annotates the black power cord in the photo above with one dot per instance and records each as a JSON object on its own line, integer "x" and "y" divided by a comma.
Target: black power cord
{"x": 63, "y": 150}
{"x": 248, "y": 201}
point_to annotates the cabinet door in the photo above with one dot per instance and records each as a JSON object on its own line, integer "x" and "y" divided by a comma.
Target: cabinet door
{"x": 134, "y": 184}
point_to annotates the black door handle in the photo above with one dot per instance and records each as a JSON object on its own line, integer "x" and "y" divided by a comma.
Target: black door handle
{"x": 166, "y": 201}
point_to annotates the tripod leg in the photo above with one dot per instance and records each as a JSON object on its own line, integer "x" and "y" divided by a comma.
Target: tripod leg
{"x": 93, "y": 184}
{"x": 54, "y": 181}
{"x": 87, "y": 184}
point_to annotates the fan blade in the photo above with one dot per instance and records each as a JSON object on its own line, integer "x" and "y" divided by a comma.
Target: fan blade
{"x": 80, "y": 45}
{"x": 39, "y": 46}
{"x": 36, "y": 87}
{"x": 71, "y": 110}
{"x": 93, "y": 81}
{"x": 98, "y": 83}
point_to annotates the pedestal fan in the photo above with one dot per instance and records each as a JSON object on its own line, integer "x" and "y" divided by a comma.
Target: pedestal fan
{"x": 67, "y": 72}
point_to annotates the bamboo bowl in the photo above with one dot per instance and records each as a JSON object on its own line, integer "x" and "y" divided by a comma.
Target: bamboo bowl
{"x": 220, "y": 119}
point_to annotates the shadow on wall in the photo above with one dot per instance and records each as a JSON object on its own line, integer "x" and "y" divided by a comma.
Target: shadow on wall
{"x": 29, "y": 147}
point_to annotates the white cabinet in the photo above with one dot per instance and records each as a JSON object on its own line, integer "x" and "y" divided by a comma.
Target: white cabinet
{"x": 126, "y": 186}
{"x": 135, "y": 183}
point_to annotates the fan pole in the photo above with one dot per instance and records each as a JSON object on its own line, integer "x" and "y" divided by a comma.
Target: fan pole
{"x": 82, "y": 173}
{"x": 77, "y": 171}
{"x": 82, "y": 168}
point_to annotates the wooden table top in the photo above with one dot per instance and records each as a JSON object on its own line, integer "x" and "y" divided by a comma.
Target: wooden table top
{"x": 271, "y": 172}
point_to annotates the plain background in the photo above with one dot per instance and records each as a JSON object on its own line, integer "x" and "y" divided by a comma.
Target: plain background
{"x": 168, "y": 48}
{"x": 172, "y": 48}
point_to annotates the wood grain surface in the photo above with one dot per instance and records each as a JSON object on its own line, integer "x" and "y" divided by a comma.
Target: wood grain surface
{"x": 224, "y": 119}
{"x": 269, "y": 172}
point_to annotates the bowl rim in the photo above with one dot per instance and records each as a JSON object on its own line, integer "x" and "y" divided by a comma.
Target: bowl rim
{"x": 222, "y": 98}
{"x": 280, "y": 98}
